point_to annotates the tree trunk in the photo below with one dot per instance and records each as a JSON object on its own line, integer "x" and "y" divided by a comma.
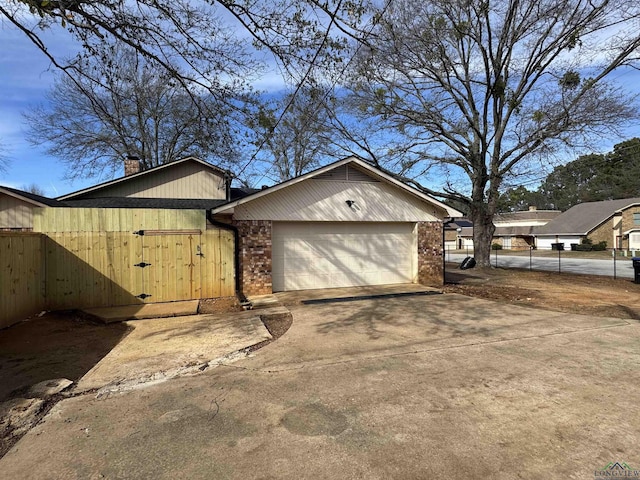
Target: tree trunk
{"x": 483, "y": 229}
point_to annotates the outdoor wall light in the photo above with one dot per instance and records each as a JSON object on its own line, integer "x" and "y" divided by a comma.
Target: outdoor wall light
{"x": 352, "y": 205}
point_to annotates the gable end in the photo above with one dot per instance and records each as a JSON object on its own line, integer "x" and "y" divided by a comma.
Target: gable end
{"x": 346, "y": 173}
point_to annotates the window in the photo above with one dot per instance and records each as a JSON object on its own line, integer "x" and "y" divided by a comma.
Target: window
{"x": 636, "y": 218}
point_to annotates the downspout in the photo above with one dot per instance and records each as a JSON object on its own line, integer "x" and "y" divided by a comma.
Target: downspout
{"x": 236, "y": 255}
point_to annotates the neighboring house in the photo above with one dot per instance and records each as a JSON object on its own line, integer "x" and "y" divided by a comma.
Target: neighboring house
{"x": 16, "y": 208}
{"x": 616, "y": 222}
{"x": 345, "y": 224}
{"x": 458, "y": 234}
{"x": 186, "y": 183}
{"x": 515, "y": 230}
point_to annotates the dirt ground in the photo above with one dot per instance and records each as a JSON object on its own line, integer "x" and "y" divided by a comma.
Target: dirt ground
{"x": 584, "y": 294}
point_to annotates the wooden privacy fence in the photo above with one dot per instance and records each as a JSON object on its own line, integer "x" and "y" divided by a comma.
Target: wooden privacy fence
{"x": 21, "y": 276}
{"x": 112, "y": 257}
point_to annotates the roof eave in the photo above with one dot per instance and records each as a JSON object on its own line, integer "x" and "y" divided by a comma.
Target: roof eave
{"x": 444, "y": 208}
{"x": 22, "y": 198}
{"x": 115, "y": 181}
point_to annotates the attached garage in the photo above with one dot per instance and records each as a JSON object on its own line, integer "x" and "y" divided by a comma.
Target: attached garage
{"x": 307, "y": 255}
{"x": 346, "y": 224}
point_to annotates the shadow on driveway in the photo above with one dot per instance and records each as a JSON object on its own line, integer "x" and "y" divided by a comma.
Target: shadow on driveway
{"x": 53, "y": 346}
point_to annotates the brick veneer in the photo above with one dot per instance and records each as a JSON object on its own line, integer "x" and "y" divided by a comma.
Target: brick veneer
{"x": 255, "y": 256}
{"x": 430, "y": 255}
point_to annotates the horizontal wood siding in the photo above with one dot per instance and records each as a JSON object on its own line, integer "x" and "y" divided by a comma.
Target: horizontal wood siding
{"x": 22, "y": 276}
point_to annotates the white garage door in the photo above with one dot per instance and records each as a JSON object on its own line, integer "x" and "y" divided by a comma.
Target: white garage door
{"x": 324, "y": 255}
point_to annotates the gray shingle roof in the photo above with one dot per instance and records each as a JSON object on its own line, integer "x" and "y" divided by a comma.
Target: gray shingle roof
{"x": 527, "y": 215}
{"x": 584, "y": 217}
{"x": 32, "y": 196}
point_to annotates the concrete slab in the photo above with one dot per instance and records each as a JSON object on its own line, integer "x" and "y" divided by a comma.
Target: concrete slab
{"x": 372, "y": 291}
{"x": 142, "y": 311}
{"x": 163, "y": 348}
{"x": 423, "y": 387}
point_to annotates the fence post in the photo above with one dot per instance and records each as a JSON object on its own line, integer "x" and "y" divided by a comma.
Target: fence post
{"x": 559, "y": 262}
{"x": 530, "y": 262}
{"x": 614, "y": 263}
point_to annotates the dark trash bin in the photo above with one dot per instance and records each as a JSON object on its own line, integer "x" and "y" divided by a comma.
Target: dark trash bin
{"x": 574, "y": 247}
{"x": 557, "y": 246}
{"x": 636, "y": 269}
{"x": 467, "y": 263}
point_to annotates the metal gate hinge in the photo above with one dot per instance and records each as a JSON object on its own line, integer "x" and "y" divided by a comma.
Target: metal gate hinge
{"x": 143, "y": 296}
{"x": 141, "y": 264}
{"x": 139, "y": 232}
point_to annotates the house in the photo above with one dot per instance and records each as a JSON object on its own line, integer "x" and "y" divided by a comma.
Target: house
{"x": 616, "y": 222}
{"x": 345, "y": 224}
{"x": 17, "y": 208}
{"x": 180, "y": 232}
{"x": 182, "y": 184}
{"x": 458, "y": 234}
{"x": 189, "y": 183}
{"x": 515, "y": 230}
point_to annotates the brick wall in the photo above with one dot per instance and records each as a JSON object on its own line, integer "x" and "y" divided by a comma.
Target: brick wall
{"x": 255, "y": 256}
{"x": 517, "y": 243}
{"x": 430, "y": 255}
{"x": 603, "y": 232}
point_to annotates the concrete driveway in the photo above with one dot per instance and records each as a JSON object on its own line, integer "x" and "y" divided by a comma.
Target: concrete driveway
{"x": 429, "y": 386}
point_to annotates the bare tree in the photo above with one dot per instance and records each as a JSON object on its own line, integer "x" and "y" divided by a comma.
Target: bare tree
{"x": 133, "y": 110}
{"x": 480, "y": 88}
{"x": 186, "y": 37}
{"x": 299, "y": 139}
{"x": 4, "y": 158}
{"x": 33, "y": 188}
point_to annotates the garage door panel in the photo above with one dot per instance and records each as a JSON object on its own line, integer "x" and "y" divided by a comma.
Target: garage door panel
{"x": 310, "y": 255}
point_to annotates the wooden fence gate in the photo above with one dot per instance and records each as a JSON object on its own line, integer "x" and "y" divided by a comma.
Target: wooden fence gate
{"x": 112, "y": 257}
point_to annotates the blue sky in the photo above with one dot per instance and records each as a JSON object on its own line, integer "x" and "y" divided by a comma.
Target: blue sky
{"x": 25, "y": 77}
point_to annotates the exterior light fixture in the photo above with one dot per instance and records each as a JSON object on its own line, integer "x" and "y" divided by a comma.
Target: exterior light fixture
{"x": 352, "y": 205}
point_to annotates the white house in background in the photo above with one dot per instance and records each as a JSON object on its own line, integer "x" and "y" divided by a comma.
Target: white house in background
{"x": 616, "y": 222}
{"x": 515, "y": 230}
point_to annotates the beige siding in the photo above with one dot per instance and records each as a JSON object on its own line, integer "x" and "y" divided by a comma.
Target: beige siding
{"x": 321, "y": 200}
{"x": 191, "y": 180}
{"x": 15, "y": 213}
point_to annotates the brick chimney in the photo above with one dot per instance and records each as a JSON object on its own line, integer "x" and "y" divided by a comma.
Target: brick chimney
{"x": 131, "y": 165}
